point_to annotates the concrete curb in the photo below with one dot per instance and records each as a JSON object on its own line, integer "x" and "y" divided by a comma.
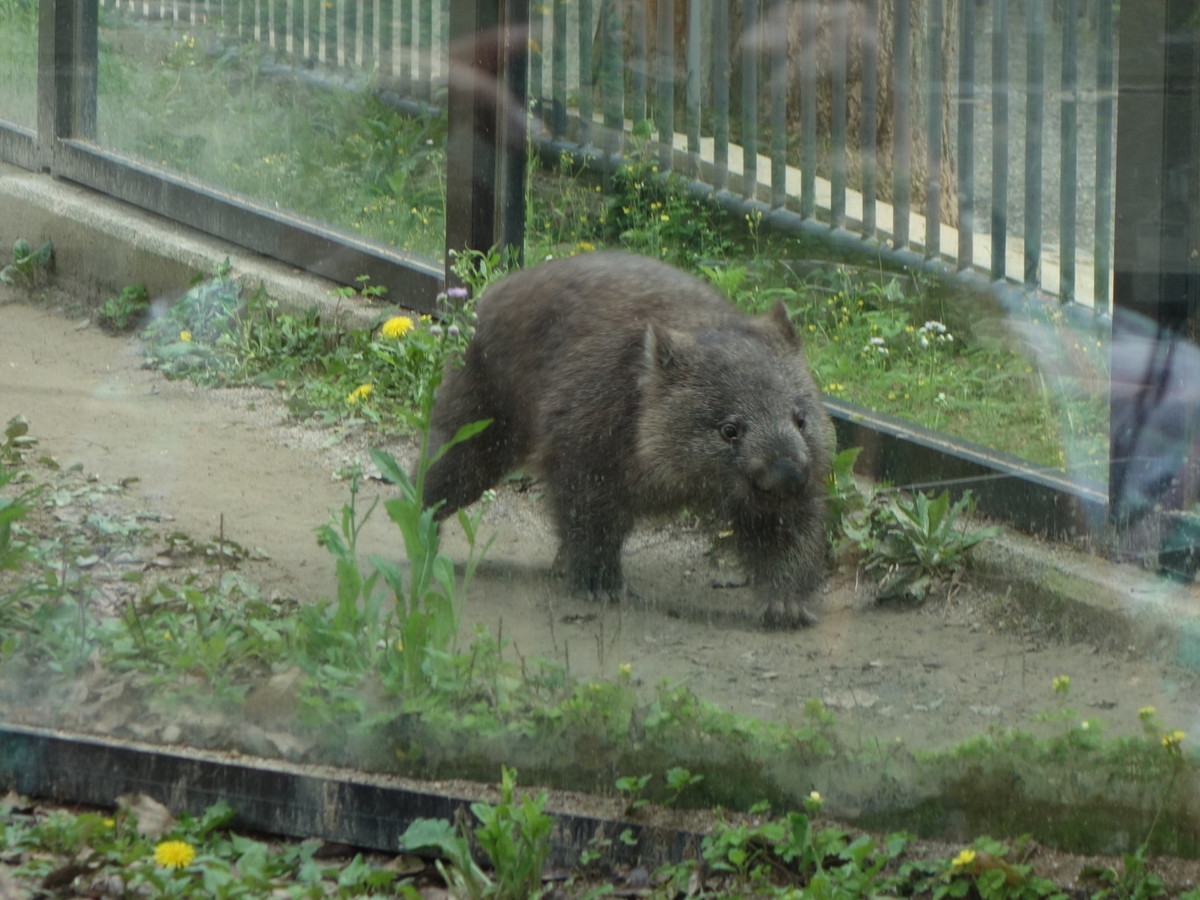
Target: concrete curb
{"x": 101, "y": 245}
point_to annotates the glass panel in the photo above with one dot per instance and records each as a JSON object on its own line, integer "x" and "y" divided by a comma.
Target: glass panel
{"x": 18, "y": 62}
{"x": 687, "y": 592}
{"x": 285, "y": 103}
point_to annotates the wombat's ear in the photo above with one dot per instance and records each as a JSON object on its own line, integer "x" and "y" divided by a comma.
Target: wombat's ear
{"x": 664, "y": 349}
{"x": 780, "y": 318}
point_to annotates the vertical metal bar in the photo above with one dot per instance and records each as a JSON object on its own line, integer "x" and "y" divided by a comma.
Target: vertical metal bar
{"x": 777, "y": 20}
{"x": 1068, "y": 160}
{"x": 869, "y": 48}
{"x": 586, "y": 73}
{"x": 637, "y": 62}
{"x": 367, "y": 45}
{"x": 1105, "y": 72}
{"x": 693, "y": 81}
{"x": 350, "y": 32}
{"x": 966, "y": 134}
{"x": 537, "y": 48}
{"x": 720, "y": 96}
{"x": 612, "y": 79}
{"x": 808, "y": 109}
{"x": 406, "y": 48}
{"x": 1154, "y": 422}
{"x": 1000, "y": 160}
{"x": 296, "y": 27}
{"x": 329, "y": 10}
{"x": 840, "y": 38}
{"x": 749, "y": 47}
{"x": 902, "y": 121}
{"x": 425, "y": 49}
{"x": 66, "y": 74}
{"x": 470, "y": 132}
{"x": 664, "y": 47}
{"x": 558, "y": 71}
{"x": 511, "y": 125}
{"x": 934, "y": 91}
{"x": 1035, "y": 102}
{"x": 279, "y": 25}
{"x": 387, "y": 38}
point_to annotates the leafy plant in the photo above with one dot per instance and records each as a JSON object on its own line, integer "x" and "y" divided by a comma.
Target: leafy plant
{"x": 383, "y": 375}
{"x": 632, "y": 786}
{"x": 125, "y": 310}
{"x": 17, "y": 440}
{"x": 916, "y": 541}
{"x": 514, "y": 834}
{"x": 30, "y": 268}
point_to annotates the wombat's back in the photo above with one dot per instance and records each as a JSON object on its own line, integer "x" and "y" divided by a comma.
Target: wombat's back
{"x": 597, "y": 297}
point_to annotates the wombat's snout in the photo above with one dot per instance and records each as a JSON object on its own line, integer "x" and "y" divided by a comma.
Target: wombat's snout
{"x": 783, "y": 479}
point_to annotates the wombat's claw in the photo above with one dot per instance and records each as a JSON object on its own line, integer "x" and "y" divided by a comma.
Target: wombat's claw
{"x": 784, "y": 614}
{"x": 617, "y": 594}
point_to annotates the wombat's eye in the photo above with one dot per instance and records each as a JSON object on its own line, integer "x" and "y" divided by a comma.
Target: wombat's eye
{"x": 730, "y": 431}
{"x": 798, "y": 418}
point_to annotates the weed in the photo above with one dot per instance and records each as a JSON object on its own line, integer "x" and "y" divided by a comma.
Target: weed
{"x": 30, "y": 268}
{"x": 632, "y": 786}
{"x": 679, "y": 780}
{"x": 654, "y": 214}
{"x": 382, "y": 376}
{"x": 914, "y": 541}
{"x": 477, "y": 268}
{"x": 514, "y": 834}
{"x": 17, "y": 440}
{"x": 121, "y": 313}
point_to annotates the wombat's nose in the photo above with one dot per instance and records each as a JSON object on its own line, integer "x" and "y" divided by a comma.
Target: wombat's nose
{"x": 784, "y": 478}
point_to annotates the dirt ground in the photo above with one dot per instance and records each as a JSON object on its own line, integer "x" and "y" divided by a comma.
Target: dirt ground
{"x": 212, "y": 459}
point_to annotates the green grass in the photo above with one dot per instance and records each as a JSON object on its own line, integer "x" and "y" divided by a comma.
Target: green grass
{"x": 18, "y": 62}
{"x": 203, "y": 107}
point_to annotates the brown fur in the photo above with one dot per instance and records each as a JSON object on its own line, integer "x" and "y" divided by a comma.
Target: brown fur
{"x": 635, "y": 389}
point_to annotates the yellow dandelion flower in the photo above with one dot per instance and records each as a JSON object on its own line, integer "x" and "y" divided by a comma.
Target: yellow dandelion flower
{"x": 359, "y": 393}
{"x": 396, "y": 327}
{"x": 174, "y": 854}
{"x": 1061, "y": 684}
{"x": 1146, "y": 712}
{"x": 185, "y": 335}
{"x": 1173, "y": 739}
{"x": 625, "y": 670}
{"x": 964, "y": 859}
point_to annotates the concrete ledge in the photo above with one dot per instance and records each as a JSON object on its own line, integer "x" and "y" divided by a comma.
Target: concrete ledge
{"x": 101, "y": 245}
{"x": 1080, "y": 597}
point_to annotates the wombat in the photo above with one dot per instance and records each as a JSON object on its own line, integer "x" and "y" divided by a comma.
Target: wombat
{"x": 634, "y": 389}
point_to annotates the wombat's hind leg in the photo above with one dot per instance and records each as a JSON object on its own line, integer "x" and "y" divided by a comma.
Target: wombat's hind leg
{"x": 589, "y": 553}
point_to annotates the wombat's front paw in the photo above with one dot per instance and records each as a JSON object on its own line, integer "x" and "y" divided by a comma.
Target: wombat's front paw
{"x": 787, "y": 614}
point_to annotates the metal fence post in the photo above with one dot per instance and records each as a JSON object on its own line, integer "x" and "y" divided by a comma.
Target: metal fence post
{"x": 1155, "y": 419}
{"x": 486, "y": 128}
{"x": 67, "y": 66}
